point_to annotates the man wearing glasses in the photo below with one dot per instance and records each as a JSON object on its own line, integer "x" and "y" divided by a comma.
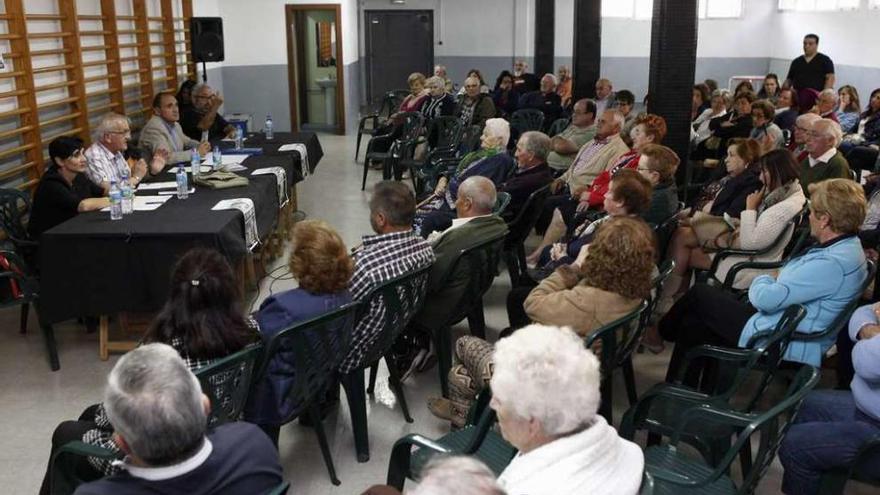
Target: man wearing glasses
{"x": 106, "y": 162}
{"x": 202, "y": 116}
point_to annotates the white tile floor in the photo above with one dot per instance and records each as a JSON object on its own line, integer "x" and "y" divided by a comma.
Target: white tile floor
{"x": 34, "y": 400}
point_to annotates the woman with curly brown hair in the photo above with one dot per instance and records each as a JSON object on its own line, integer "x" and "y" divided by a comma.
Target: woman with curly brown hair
{"x": 321, "y": 264}
{"x": 606, "y": 282}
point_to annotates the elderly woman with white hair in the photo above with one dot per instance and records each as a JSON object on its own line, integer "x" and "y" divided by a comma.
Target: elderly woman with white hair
{"x": 546, "y": 393}
{"x": 449, "y": 475}
{"x": 491, "y": 161}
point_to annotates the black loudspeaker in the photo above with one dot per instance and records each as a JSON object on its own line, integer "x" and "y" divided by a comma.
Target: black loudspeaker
{"x": 207, "y": 39}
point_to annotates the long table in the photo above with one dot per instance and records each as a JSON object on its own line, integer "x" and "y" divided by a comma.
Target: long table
{"x": 92, "y": 265}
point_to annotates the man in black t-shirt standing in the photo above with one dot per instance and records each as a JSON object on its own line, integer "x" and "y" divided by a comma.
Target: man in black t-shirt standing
{"x": 811, "y": 71}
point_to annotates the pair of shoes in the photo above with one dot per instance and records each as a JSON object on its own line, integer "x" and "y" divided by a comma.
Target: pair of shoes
{"x": 444, "y": 409}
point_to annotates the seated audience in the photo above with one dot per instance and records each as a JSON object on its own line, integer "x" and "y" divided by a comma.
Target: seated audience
{"x": 475, "y": 107}
{"x": 504, "y": 96}
{"x": 869, "y": 233}
{"x": 203, "y": 116}
{"x": 484, "y": 88}
{"x": 623, "y": 103}
{"x": 163, "y": 131}
{"x": 523, "y": 81}
{"x": 823, "y": 160}
{"x": 826, "y": 104}
{"x": 742, "y": 87}
{"x": 861, "y": 146}
{"x": 770, "y": 89}
{"x": 392, "y": 128}
{"x": 732, "y": 125}
{"x": 105, "y": 159}
{"x": 718, "y": 108}
{"x": 650, "y": 129}
{"x": 159, "y": 412}
{"x": 184, "y": 94}
{"x": 832, "y": 425}
{"x": 546, "y": 394}
{"x": 699, "y": 100}
{"x": 439, "y": 103}
{"x": 800, "y": 134}
{"x": 572, "y": 186}
{"x": 202, "y": 320}
{"x": 392, "y": 252}
{"x": 824, "y": 279}
{"x": 64, "y": 190}
{"x": 786, "y": 109}
{"x": 492, "y": 161}
{"x": 531, "y": 174}
{"x": 563, "y": 89}
{"x": 658, "y": 164}
{"x": 604, "y": 96}
{"x": 765, "y": 132}
{"x": 848, "y": 109}
{"x": 712, "y": 84}
{"x": 728, "y": 194}
{"x": 566, "y": 144}
{"x": 604, "y": 283}
{"x": 440, "y": 71}
{"x": 320, "y": 263}
{"x": 546, "y": 100}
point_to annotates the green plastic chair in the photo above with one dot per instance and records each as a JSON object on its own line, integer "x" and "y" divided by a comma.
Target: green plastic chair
{"x": 502, "y": 199}
{"x": 674, "y": 472}
{"x": 619, "y": 340}
{"x": 481, "y": 261}
{"x": 400, "y": 149}
{"x": 316, "y": 348}
{"x": 647, "y": 487}
{"x": 518, "y": 230}
{"x": 477, "y": 438}
{"x": 227, "y": 383}
{"x": 834, "y": 481}
{"x": 527, "y": 119}
{"x": 558, "y": 126}
{"x": 658, "y": 410}
{"x": 390, "y": 103}
{"x": 402, "y": 297}
{"x": 281, "y": 489}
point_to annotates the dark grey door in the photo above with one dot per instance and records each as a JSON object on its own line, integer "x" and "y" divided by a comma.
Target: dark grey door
{"x": 399, "y": 42}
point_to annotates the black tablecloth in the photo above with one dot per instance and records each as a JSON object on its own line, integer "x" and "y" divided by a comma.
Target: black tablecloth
{"x": 91, "y": 265}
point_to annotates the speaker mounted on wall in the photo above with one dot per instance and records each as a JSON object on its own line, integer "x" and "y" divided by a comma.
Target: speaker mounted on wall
{"x": 207, "y": 39}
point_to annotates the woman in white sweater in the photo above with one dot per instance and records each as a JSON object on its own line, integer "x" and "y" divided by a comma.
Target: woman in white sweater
{"x": 768, "y": 212}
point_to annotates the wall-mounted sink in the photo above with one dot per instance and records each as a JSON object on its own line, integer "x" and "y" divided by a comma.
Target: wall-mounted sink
{"x": 326, "y": 83}
{"x": 329, "y": 87}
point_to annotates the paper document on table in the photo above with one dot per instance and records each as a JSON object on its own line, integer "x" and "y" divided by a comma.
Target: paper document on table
{"x": 224, "y": 159}
{"x": 204, "y": 169}
{"x": 281, "y": 178}
{"x": 246, "y": 207}
{"x": 303, "y": 153}
{"x": 146, "y": 186}
{"x": 146, "y": 203}
{"x": 172, "y": 193}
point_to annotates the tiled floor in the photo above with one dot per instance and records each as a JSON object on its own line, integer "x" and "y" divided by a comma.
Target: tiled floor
{"x": 33, "y": 400}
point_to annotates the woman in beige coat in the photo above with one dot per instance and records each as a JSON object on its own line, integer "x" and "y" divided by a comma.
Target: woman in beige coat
{"x": 609, "y": 279}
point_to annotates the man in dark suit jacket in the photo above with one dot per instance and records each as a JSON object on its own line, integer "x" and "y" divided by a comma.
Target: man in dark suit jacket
{"x": 532, "y": 171}
{"x": 475, "y": 224}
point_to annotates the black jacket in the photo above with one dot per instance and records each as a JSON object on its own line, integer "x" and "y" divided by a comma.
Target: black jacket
{"x": 731, "y": 199}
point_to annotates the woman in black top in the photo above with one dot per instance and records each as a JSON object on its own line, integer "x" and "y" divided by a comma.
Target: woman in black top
{"x": 64, "y": 189}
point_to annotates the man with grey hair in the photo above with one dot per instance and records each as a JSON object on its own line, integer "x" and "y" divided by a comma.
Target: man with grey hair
{"x": 457, "y": 475}
{"x": 202, "y": 115}
{"x": 823, "y": 161}
{"x": 159, "y": 414}
{"x": 566, "y": 144}
{"x": 106, "y": 162}
{"x": 545, "y": 99}
{"x": 524, "y": 81}
{"x": 532, "y": 171}
{"x": 440, "y": 71}
{"x": 826, "y": 104}
{"x": 604, "y": 95}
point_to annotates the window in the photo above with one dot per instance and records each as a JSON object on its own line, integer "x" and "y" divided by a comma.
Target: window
{"x": 874, "y": 4}
{"x": 820, "y": 5}
{"x": 643, "y": 9}
{"x": 720, "y": 9}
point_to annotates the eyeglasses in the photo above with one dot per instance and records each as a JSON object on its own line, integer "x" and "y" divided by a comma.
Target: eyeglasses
{"x": 644, "y": 168}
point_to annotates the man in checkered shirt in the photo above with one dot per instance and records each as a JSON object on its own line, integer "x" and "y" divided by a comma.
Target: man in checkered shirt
{"x": 393, "y": 251}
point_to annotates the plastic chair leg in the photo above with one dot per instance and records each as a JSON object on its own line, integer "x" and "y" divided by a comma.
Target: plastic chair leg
{"x": 357, "y": 147}
{"x": 366, "y": 169}
{"x": 512, "y": 267}
{"x": 605, "y": 408}
{"x": 51, "y": 346}
{"x": 443, "y": 347}
{"x": 477, "y": 320}
{"x": 24, "y": 317}
{"x": 399, "y": 465}
{"x": 357, "y": 405}
{"x": 322, "y": 441}
{"x": 374, "y": 370}
{"x": 396, "y": 386}
{"x": 630, "y": 380}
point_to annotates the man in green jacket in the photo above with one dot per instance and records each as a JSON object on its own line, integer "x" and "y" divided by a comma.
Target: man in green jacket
{"x": 823, "y": 160}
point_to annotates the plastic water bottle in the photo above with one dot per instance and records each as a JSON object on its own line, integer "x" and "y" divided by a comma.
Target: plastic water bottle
{"x": 239, "y": 137}
{"x": 218, "y": 158}
{"x": 115, "y": 202}
{"x": 182, "y": 186}
{"x": 268, "y": 127}
{"x": 127, "y": 194}
{"x": 195, "y": 163}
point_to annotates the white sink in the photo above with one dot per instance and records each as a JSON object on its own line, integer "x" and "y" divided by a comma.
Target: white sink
{"x": 326, "y": 83}
{"x": 328, "y": 86}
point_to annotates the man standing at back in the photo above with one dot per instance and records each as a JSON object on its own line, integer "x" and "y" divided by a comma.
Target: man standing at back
{"x": 395, "y": 250}
{"x": 812, "y": 70}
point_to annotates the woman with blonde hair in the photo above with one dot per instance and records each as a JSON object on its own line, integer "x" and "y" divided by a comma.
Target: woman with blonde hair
{"x": 321, "y": 264}
{"x": 609, "y": 279}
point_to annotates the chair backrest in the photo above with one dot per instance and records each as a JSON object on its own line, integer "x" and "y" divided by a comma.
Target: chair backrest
{"x": 482, "y": 263}
{"x": 447, "y": 130}
{"x": 558, "y": 126}
{"x": 502, "y": 199}
{"x": 227, "y": 383}
{"x": 656, "y": 289}
{"x": 619, "y": 338}
{"x": 402, "y": 297}
{"x": 647, "y": 487}
{"x": 470, "y": 138}
{"x": 664, "y": 230}
{"x": 522, "y": 224}
{"x": 527, "y": 119}
{"x": 411, "y": 126}
{"x": 15, "y": 205}
{"x": 316, "y": 347}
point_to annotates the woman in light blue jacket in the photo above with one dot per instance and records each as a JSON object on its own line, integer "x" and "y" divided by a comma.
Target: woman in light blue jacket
{"x": 824, "y": 279}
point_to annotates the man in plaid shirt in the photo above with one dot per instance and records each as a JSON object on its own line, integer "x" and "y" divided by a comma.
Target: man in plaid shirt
{"x": 393, "y": 251}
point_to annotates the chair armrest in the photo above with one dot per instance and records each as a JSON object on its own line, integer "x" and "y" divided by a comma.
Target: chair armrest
{"x": 416, "y": 440}
{"x": 755, "y": 265}
{"x": 714, "y": 352}
{"x": 635, "y": 416}
{"x": 374, "y": 117}
{"x": 84, "y": 449}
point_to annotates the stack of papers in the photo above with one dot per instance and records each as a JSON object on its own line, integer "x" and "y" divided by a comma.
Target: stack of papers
{"x": 146, "y": 203}
{"x": 147, "y": 186}
{"x": 204, "y": 169}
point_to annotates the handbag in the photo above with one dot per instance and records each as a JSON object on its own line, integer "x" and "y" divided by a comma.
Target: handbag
{"x": 708, "y": 229}
{"x": 221, "y": 180}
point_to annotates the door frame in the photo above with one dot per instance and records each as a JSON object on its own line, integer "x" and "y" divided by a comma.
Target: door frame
{"x": 368, "y": 45}
{"x": 293, "y": 72}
